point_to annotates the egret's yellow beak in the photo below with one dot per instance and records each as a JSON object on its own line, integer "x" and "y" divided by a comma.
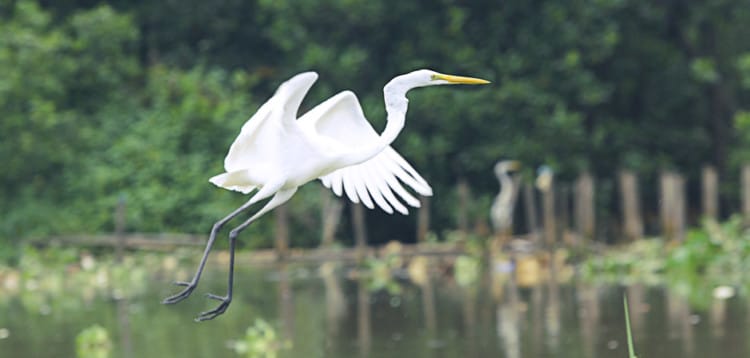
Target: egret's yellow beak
{"x": 514, "y": 165}
{"x": 460, "y": 79}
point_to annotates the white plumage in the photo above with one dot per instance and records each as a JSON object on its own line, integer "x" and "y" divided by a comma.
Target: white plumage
{"x": 275, "y": 153}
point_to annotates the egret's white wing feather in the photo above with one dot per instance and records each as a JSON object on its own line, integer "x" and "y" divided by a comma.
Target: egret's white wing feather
{"x": 359, "y": 184}
{"x": 326, "y": 182}
{"x": 262, "y": 134}
{"x": 372, "y": 182}
{"x": 417, "y": 182}
{"x": 394, "y": 184}
{"x": 341, "y": 121}
{"x": 350, "y": 191}
{"x": 337, "y": 183}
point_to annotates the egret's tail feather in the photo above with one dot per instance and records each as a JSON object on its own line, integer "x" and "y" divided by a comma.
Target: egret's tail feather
{"x": 236, "y": 181}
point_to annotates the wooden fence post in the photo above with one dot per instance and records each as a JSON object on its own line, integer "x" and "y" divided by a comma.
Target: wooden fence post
{"x": 548, "y": 208}
{"x": 631, "y": 207}
{"x": 281, "y": 215}
{"x": 330, "y": 217}
{"x": 563, "y": 209}
{"x": 360, "y": 229}
{"x": 746, "y": 194}
{"x": 710, "y": 192}
{"x": 423, "y": 219}
{"x": 464, "y": 197}
{"x": 585, "y": 216}
{"x": 666, "y": 202}
{"x": 529, "y": 203}
{"x": 673, "y": 211}
{"x": 680, "y": 213}
{"x": 120, "y": 218}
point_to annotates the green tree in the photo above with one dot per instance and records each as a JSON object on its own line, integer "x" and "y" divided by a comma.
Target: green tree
{"x": 55, "y": 78}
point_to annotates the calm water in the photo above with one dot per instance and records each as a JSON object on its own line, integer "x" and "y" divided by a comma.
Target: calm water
{"x": 336, "y": 315}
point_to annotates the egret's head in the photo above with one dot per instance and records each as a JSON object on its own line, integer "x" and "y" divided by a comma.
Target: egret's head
{"x": 422, "y": 78}
{"x": 507, "y": 166}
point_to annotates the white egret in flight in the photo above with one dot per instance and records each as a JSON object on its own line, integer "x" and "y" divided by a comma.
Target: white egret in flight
{"x": 275, "y": 153}
{"x": 501, "y": 212}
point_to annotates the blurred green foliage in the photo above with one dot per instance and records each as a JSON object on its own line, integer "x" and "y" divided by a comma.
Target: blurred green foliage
{"x": 261, "y": 341}
{"x": 715, "y": 255}
{"x": 93, "y": 342}
{"x": 140, "y": 100}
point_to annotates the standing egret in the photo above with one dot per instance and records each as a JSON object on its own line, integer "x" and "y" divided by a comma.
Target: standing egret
{"x": 544, "y": 177}
{"x": 501, "y": 211}
{"x": 275, "y": 153}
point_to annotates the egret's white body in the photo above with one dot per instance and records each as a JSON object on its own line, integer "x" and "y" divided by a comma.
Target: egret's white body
{"x": 275, "y": 153}
{"x": 333, "y": 142}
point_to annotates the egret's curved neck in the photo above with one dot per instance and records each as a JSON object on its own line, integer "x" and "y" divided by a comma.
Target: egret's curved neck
{"x": 396, "y": 104}
{"x": 506, "y": 187}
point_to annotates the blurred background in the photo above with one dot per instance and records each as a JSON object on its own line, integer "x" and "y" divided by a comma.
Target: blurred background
{"x": 114, "y": 114}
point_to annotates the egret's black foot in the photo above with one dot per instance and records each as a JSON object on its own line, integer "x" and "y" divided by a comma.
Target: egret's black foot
{"x": 225, "y": 301}
{"x": 189, "y": 287}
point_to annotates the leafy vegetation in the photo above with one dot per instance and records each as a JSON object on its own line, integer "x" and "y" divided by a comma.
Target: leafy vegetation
{"x": 66, "y": 279}
{"x": 93, "y": 342}
{"x": 712, "y": 259}
{"x": 261, "y": 341}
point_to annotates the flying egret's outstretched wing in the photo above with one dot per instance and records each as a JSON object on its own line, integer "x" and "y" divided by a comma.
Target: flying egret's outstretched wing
{"x": 263, "y": 136}
{"x": 258, "y": 137}
{"x": 341, "y": 120}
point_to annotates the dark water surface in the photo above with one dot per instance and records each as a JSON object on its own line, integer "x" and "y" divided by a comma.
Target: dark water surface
{"x": 330, "y": 313}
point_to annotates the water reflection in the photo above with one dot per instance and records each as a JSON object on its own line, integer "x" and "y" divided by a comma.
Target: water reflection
{"x": 286, "y": 306}
{"x": 335, "y": 300}
{"x": 681, "y": 322}
{"x": 508, "y": 320}
{"x": 123, "y": 323}
{"x": 518, "y": 306}
{"x": 364, "y": 333}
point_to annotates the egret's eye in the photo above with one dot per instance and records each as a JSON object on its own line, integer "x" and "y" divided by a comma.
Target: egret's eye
{"x": 434, "y": 77}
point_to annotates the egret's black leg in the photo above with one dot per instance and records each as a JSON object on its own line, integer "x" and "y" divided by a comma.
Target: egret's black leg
{"x": 190, "y": 286}
{"x": 225, "y": 300}
{"x": 278, "y": 199}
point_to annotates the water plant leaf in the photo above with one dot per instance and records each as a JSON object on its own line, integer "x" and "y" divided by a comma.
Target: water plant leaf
{"x": 631, "y": 351}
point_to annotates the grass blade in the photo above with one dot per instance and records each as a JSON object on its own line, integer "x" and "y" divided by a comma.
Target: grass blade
{"x": 631, "y": 351}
